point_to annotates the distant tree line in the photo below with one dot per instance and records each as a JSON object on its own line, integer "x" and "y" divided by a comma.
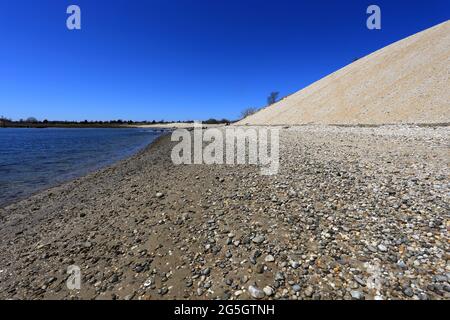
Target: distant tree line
{"x": 33, "y": 122}
{"x": 271, "y": 99}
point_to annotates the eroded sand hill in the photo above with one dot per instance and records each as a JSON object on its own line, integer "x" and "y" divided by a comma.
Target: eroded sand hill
{"x": 406, "y": 82}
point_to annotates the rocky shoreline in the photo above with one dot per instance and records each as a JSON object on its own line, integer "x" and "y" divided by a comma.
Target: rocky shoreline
{"x": 354, "y": 213}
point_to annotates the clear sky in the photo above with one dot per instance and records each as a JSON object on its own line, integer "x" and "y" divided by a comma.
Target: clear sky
{"x": 180, "y": 59}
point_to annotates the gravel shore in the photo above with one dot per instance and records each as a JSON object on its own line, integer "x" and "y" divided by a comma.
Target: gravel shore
{"x": 354, "y": 213}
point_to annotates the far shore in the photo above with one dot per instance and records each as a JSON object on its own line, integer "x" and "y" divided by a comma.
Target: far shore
{"x": 168, "y": 125}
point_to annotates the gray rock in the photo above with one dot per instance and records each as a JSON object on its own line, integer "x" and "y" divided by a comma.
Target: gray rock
{"x": 360, "y": 281}
{"x": 258, "y": 239}
{"x": 163, "y": 291}
{"x": 309, "y": 291}
{"x": 206, "y": 271}
{"x": 256, "y": 293}
{"x": 114, "y": 278}
{"x": 440, "y": 278}
{"x": 408, "y": 292}
{"x": 357, "y": 295}
{"x": 279, "y": 276}
{"x": 268, "y": 291}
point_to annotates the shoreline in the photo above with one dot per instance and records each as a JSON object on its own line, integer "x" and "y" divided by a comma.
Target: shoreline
{"x": 86, "y": 172}
{"x": 346, "y": 201}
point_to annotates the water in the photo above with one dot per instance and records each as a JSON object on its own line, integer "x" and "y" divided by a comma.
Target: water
{"x": 36, "y": 159}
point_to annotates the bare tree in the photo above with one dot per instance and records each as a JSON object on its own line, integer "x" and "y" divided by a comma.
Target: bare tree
{"x": 248, "y": 112}
{"x": 31, "y": 120}
{"x": 273, "y": 97}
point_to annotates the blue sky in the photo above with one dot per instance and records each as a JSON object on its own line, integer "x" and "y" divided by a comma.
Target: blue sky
{"x": 163, "y": 59}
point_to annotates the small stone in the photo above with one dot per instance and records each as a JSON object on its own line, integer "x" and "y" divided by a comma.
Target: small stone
{"x": 296, "y": 288}
{"x": 309, "y": 291}
{"x": 357, "y": 295}
{"x": 269, "y": 258}
{"x": 159, "y": 194}
{"x": 422, "y": 296}
{"x": 258, "y": 239}
{"x": 292, "y": 193}
{"x": 360, "y": 281}
{"x": 279, "y": 276}
{"x": 163, "y": 291}
{"x": 148, "y": 282}
{"x": 353, "y": 285}
{"x": 206, "y": 271}
{"x": 256, "y": 293}
{"x": 408, "y": 292}
{"x": 440, "y": 278}
{"x": 114, "y": 278}
{"x": 129, "y": 297}
{"x": 382, "y": 247}
{"x": 294, "y": 264}
{"x": 139, "y": 268}
{"x": 268, "y": 291}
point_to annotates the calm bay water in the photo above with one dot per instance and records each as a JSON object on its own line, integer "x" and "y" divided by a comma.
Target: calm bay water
{"x": 35, "y": 159}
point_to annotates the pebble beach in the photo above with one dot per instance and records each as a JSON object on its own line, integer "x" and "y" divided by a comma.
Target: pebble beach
{"x": 353, "y": 213}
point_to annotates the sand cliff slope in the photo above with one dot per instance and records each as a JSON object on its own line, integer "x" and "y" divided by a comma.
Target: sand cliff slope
{"x": 405, "y": 82}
